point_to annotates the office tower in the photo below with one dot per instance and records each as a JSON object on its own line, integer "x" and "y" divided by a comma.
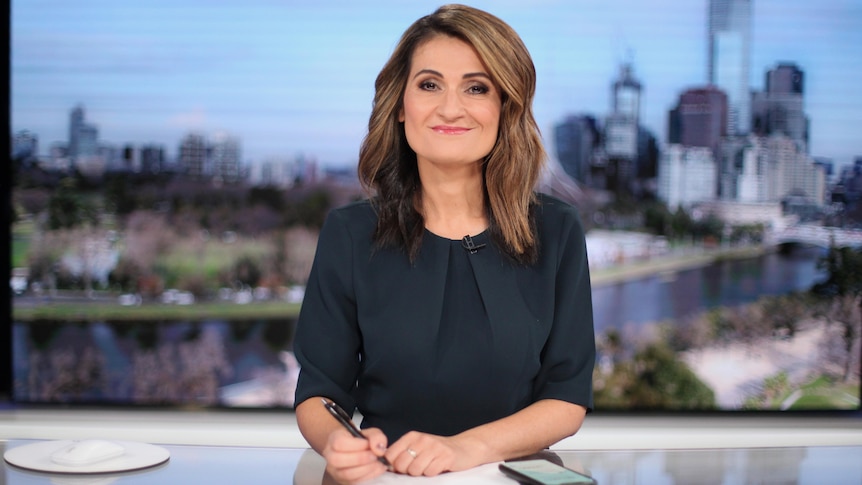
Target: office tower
{"x": 152, "y": 159}
{"x": 622, "y": 125}
{"x": 129, "y": 159}
{"x": 773, "y": 169}
{"x": 621, "y": 131}
{"x": 225, "y": 156}
{"x": 686, "y": 176}
{"x": 729, "y": 59}
{"x": 83, "y": 137}
{"x": 576, "y": 140}
{"x": 76, "y": 120}
{"x": 25, "y": 145}
{"x": 646, "y": 163}
{"x": 828, "y": 166}
{"x": 699, "y": 118}
{"x": 193, "y": 156}
{"x": 779, "y": 109}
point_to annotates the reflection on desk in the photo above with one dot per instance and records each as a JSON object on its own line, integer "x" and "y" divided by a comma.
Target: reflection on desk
{"x": 211, "y": 465}
{"x": 312, "y": 467}
{"x": 216, "y": 465}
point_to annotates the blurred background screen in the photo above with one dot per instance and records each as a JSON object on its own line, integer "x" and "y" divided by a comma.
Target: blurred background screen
{"x": 173, "y": 161}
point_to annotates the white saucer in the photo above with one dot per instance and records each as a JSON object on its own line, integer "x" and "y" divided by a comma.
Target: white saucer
{"x": 37, "y": 457}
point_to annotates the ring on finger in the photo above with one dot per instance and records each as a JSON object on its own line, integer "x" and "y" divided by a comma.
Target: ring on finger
{"x": 412, "y": 452}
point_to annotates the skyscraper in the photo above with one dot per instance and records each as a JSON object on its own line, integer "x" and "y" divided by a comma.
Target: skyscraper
{"x": 686, "y": 176}
{"x": 729, "y": 58}
{"x": 780, "y": 108}
{"x": 622, "y": 125}
{"x": 699, "y": 119}
{"x": 621, "y": 131}
{"x": 193, "y": 156}
{"x": 152, "y": 158}
{"x": 76, "y": 121}
{"x": 225, "y": 155}
{"x": 576, "y": 140}
{"x": 83, "y": 137}
{"x": 25, "y": 145}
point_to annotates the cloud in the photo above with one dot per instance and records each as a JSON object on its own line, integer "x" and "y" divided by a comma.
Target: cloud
{"x": 195, "y": 119}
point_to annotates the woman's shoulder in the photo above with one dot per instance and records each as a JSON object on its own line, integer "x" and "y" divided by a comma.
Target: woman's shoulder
{"x": 550, "y": 209}
{"x": 355, "y": 214}
{"x": 350, "y": 225}
{"x": 558, "y": 224}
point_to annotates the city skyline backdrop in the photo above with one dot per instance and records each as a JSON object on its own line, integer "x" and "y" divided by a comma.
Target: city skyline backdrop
{"x": 289, "y": 79}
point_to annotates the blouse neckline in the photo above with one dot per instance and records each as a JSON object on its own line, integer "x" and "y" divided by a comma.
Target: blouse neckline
{"x": 481, "y": 236}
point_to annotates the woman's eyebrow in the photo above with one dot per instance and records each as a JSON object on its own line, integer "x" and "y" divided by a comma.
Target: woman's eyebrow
{"x": 427, "y": 71}
{"x": 438, "y": 74}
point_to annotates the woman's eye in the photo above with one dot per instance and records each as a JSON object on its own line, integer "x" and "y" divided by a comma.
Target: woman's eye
{"x": 428, "y": 85}
{"x": 477, "y": 89}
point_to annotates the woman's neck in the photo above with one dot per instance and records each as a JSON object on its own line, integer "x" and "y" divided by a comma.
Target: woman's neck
{"x": 454, "y": 206}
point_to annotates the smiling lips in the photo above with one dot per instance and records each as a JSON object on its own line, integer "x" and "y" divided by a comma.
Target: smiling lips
{"x": 450, "y": 130}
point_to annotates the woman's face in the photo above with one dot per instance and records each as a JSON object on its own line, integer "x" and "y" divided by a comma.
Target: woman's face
{"x": 451, "y": 110}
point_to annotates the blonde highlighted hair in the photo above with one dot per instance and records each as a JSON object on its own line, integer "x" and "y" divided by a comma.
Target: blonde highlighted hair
{"x": 387, "y": 165}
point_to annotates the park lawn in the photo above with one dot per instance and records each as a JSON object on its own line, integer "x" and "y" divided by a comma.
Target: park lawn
{"x": 20, "y": 247}
{"x": 22, "y": 232}
{"x": 824, "y": 393}
{"x": 154, "y": 311}
{"x": 210, "y": 259}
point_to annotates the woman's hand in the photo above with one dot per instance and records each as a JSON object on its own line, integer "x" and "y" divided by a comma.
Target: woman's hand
{"x": 429, "y": 455}
{"x": 351, "y": 460}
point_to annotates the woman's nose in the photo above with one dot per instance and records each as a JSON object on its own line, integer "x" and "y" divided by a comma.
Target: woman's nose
{"x": 451, "y": 105}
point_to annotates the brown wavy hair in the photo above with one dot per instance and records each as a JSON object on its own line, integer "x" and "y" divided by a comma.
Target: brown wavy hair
{"x": 387, "y": 165}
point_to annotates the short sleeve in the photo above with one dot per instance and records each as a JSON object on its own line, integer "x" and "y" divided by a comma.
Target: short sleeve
{"x": 569, "y": 355}
{"x": 327, "y": 341}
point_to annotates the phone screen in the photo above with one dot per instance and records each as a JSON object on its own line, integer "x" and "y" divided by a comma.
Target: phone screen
{"x": 543, "y": 472}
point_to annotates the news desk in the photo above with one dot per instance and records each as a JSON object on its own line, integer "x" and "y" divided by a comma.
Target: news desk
{"x": 196, "y": 464}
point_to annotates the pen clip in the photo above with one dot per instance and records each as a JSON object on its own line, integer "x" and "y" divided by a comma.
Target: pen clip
{"x": 333, "y": 407}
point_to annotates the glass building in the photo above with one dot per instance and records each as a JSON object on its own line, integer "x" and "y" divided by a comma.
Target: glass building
{"x": 730, "y": 57}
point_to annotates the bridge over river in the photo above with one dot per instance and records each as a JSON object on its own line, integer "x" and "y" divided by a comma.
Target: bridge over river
{"x": 816, "y": 236}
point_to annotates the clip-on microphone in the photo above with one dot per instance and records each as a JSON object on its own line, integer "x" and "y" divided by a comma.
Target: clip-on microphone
{"x": 468, "y": 244}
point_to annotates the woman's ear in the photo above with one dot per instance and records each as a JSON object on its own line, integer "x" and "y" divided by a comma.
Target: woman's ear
{"x": 401, "y": 114}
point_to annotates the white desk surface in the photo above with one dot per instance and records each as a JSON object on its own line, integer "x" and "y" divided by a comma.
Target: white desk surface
{"x": 276, "y": 428}
{"x": 217, "y": 465}
{"x": 263, "y": 447}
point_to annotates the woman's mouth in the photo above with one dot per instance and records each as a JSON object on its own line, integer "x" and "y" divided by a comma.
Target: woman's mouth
{"x": 450, "y": 130}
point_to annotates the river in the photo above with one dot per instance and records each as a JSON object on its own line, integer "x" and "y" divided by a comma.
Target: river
{"x": 671, "y": 296}
{"x": 242, "y": 363}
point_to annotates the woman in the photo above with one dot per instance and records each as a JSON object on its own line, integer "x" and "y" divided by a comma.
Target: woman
{"x": 452, "y": 309}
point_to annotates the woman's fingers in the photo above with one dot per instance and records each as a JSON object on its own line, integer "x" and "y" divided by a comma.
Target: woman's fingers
{"x": 420, "y": 454}
{"x": 377, "y": 441}
{"x": 350, "y": 459}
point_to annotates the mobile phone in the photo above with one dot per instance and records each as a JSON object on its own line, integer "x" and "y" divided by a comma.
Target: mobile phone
{"x": 543, "y": 472}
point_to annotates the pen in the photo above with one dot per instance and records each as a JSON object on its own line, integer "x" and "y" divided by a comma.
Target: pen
{"x": 343, "y": 418}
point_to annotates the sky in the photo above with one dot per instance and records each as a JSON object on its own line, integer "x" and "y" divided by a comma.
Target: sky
{"x": 296, "y": 78}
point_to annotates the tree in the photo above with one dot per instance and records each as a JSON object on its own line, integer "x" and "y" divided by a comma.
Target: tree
{"x": 67, "y": 208}
{"x": 663, "y": 382}
{"x": 653, "y": 379}
{"x": 843, "y": 282}
{"x": 680, "y": 224}
{"x": 844, "y": 272}
{"x": 657, "y": 219}
{"x": 246, "y": 270}
{"x": 783, "y": 313}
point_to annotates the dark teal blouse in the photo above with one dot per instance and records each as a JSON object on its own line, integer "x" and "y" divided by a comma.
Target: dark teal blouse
{"x": 453, "y": 340}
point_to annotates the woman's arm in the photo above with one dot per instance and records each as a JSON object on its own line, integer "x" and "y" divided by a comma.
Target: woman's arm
{"x": 528, "y": 431}
{"x": 315, "y": 423}
{"x": 348, "y": 459}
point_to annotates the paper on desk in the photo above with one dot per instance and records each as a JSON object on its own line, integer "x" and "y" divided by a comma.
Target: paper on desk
{"x": 489, "y": 474}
